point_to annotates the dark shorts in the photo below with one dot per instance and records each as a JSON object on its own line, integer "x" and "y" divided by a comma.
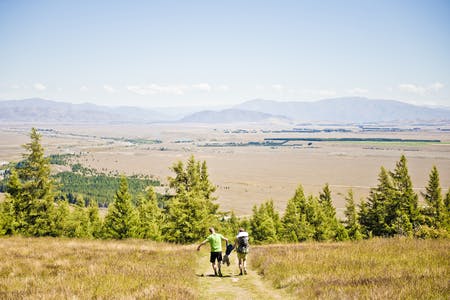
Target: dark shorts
{"x": 214, "y": 256}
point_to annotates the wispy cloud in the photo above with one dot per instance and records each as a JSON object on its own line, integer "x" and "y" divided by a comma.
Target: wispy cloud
{"x": 202, "y": 87}
{"x": 357, "y": 91}
{"x": 39, "y": 87}
{"x": 173, "y": 89}
{"x": 327, "y": 93}
{"x": 277, "y": 87}
{"x": 109, "y": 89}
{"x": 84, "y": 88}
{"x": 420, "y": 89}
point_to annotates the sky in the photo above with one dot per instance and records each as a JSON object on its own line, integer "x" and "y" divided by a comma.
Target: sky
{"x": 185, "y": 53}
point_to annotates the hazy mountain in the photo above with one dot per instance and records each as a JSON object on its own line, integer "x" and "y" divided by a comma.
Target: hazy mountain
{"x": 348, "y": 110}
{"x": 229, "y": 116}
{"x": 39, "y": 110}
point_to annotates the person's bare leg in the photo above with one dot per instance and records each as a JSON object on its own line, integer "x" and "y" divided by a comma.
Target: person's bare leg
{"x": 214, "y": 268}
{"x": 220, "y": 271}
{"x": 244, "y": 264}
{"x": 240, "y": 266}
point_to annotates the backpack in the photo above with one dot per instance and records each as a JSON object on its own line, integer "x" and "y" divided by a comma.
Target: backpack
{"x": 242, "y": 244}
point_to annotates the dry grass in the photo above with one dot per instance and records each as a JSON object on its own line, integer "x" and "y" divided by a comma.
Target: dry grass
{"x": 50, "y": 268}
{"x": 373, "y": 269}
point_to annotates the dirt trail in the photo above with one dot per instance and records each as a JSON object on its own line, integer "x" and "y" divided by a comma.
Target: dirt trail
{"x": 231, "y": 285}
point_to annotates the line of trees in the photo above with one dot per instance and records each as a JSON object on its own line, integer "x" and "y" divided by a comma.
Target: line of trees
{"x": 392, "y": 208}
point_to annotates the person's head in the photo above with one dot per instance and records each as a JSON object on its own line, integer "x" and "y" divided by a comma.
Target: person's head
{"x": 241, "y": 229}
{"x": 211, "y": 229}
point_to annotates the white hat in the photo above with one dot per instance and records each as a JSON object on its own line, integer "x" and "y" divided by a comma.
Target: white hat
{"x": 242, "y": 233}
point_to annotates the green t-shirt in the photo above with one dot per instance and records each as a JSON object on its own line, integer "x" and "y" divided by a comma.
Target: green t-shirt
{"x": 215, "y": 241}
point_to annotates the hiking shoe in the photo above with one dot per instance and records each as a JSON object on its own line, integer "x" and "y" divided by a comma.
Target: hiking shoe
{"x": 245, "y": 272}
{"x": 220, "y": 273}
{"x": 215, "y": 273}
{"x": 240, "y": 274}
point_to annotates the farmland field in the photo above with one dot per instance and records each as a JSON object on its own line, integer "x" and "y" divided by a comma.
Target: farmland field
{"x": 244, "y": 175}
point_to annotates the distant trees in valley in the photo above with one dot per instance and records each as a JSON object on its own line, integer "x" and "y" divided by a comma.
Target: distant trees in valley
{"x": 37, "y": 204}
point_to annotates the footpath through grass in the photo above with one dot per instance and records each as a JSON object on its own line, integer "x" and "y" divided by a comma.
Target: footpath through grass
{"x": 371, "y": 269}
{"x": 55, "y": 268}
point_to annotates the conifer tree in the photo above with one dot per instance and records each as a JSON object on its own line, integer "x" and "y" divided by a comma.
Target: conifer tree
{"x": 378, "y": 206}
{"x": 62, "y": 217}
{"x": 295, "y": 227}
{"x": 447, "y": 211}
{"x": 262, "y": 225}
{"x": 331, "y": 224}
{"x": 403, "y": 214}
{"x": 78, "y": 221}
{"x": 31, "y": 191}
{"x": 326, "y": 202}
{"x": 316, "y": 216}
{"x": 435, "y": 211}
{"x": 121, "y": 220}
{"x": 95, "y": 222}
{"x": 150, "y": 216}
{"x": 188, "y": 218}
{"x": 192, "y": 210}
{"x": 363, "y": 217}
{"x": 353, "y": 226}
{"x": 7, "y": 220}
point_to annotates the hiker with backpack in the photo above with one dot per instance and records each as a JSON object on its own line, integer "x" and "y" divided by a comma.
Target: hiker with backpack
{"x": 215, "y": 242}
{"x": 241, "y": 244}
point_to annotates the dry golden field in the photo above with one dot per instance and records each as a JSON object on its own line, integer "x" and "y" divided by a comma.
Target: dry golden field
{"x": 245, "y": 176}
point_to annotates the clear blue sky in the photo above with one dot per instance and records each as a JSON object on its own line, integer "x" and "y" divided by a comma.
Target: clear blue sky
{"x": 169, "y": 53}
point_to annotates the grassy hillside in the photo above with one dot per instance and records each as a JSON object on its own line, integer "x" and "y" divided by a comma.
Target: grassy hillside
{"x": 55, "y": 268}
{"x": 51, "y": 268}
{"x": 370, "y": 269}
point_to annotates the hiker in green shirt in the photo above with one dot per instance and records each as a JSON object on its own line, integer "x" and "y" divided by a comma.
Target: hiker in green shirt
{"x": 215, "y": 242}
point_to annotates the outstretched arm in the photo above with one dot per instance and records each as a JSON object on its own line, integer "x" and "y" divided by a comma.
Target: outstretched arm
{"x": 225, "y": 239}
{"x": 202, "y": 243}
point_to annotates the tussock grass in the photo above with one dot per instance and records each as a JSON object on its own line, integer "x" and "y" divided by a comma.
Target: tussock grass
{"x": 55, "y": 268}
{"x": 372, "y": 269}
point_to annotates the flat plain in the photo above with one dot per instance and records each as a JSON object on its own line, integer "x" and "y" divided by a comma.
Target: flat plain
{"x": 245, "y": 174}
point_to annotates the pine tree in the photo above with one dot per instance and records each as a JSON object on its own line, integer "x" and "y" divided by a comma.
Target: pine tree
{"x": 433, "y": 198}
{"x": 363, "y": 217}
{"x": 78, "y": 221}
{"x": 262, "y": 225}
{"x": 295, "y": 227}
{"x": 188, "y": 218}
{"x": 404, "y": 214}
{"x": 326, "y": 202}
{"x": 192, "y": 210}
{"x": 95, "y": 222}
{"x": 353, "y": 226}
{"x": 62, "y": 217}
{"x": 150, "y": 216}
{"x": 332, "y": 225}
{"x": 446, "y": 224}
{"x": 378, "y": 206}
{"x": 31, "y": 190}
{"x": 121, "y": 220}
{"x": 7, "y": 220}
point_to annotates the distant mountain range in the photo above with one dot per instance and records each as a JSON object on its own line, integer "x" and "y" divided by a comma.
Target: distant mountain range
{"x": 40, "y": 110}
{"x": 348, "y": 110}
{"x": 230, "y": 116}
{"x": 339, "y": 110}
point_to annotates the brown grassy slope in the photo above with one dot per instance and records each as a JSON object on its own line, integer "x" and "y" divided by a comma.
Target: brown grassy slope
{"x": 50, "y": 268}
{"x": 375, "y": 269}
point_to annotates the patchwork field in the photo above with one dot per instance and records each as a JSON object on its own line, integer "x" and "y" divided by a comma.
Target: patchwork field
{"x": 244, "y": 175}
